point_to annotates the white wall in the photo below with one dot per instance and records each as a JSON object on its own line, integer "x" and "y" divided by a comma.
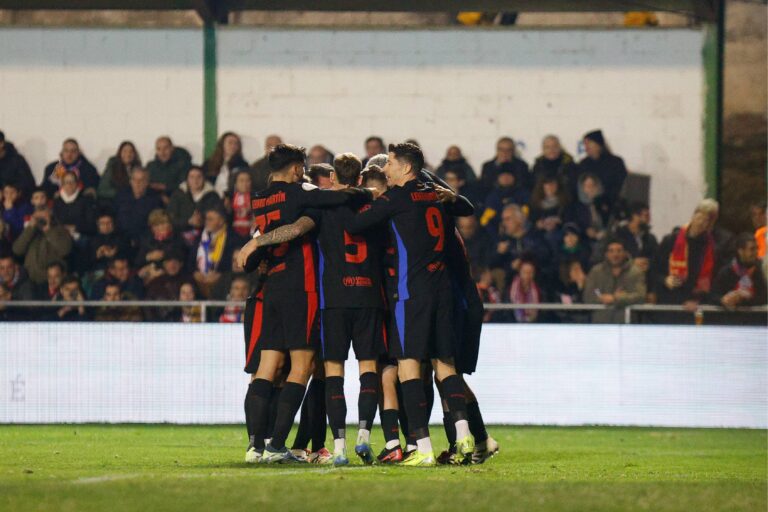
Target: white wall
{"x": 527, "y": 374}
{"x": 468, "y": 87}
{"x": 644, "y": 88}
{"x": 101, "y": 87}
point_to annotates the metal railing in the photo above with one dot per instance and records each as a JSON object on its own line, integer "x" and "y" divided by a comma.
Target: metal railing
{"x": 205, "y": 305}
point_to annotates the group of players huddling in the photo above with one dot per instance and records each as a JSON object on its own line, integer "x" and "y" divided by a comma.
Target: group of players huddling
{"x": 375, "y": 262}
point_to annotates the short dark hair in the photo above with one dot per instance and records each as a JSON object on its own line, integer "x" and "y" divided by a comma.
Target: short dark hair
{"x": 70, "y": 278}
{"x": 409, "y": 153}
{"x": 375, "y": 138}
{"x": 615, "y": 240}
{"x": 637, "y": 208}
{"x": 2, "y": 136}
{"x": 373, "y": 173}
{"x": 118, "y": 257}
{"x": 59, "y": 264}
{"x": 283, "y": 155}
{"x": 743, "y": 239}
{"x": 317, "y": 171}
{"x": 347, "y": 167}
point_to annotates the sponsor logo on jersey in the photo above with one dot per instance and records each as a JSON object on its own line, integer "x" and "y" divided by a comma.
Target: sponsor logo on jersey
{"x": 261, "y": 202}
{"x": 350, "y": 281}
{"x": 424, "y": 196}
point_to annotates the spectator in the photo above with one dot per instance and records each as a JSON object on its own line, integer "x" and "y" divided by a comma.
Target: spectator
{"x": 41, "y": 243}
{"x": 74, "y": 210}
{"x": 14, "y": 169}
{"x": 135, "y": 204}
{"x": 55, "y": 275}
{"x": 374, "y": 177}
{"x": 106, "y": 243}
{"x": 516, "y": 243}
{"x": 108, "y": 313}
{"x": 164, "y": 282}
{"x": 188, "y": 314}
{"x": 15, "y": 279}
{"x": 212, "y": 254}
{"x": 118, "y": 271}
{"x": 506, "y": 192}
{"x": 505, "y": 159}
{"x": 555, "y": 163}
{"x": 160, "y": 240}
{"x": 39, "y": 201}
{"x": 70, "y": 159}
{"x": 374, "y": 145}
{"x": 570, "y": 290}
{"x": 590, "y": 211}
{"x": 685, "y": 263}
{"x": 455, "y": 161}
{"x": 193, "y": 197}
{"x": 571, "y": 246}
{"x": 6, "y": 243}
{"x": 260, "y": 169}
{"x": 488, "y": 293}
{"x": 118, "y": 171}
{"x": 221, "y": 289}
{"x": 477, "y": 242}
{"x": 238, "y": 204}
{"x": 16, "y": 210}
{"x": 548, "y": 206}
{"x": 600, "y": 162}
{"x": 741, "y": 282}
{"x": 379, "y": 160}
{"x": 226, "y": 160}
{"x": 319, "y": 155}
{"x": 8, "y": 314}
{"x": 615, "y": 283}
{"x": 169, "y": 168}
{"x": 759, "y": 215}
{"x": 320, "y": 175}
{"x": 456, "y": 179}
{"x": 70, "y": 291}
{"x": 524, "y": 290}
{"x": 636, "y": 236}
{"x": 238, "y": 292}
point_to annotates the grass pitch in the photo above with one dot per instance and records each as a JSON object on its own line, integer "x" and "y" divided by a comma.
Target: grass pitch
{"x": 184, "y": 468}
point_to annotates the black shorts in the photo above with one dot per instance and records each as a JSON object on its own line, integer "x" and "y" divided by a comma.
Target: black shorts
{"x": 422, "y": 327}
{"x": 363, "y": 327}
{"x": 285, "y": 321}
{"x": 468, "y": 322}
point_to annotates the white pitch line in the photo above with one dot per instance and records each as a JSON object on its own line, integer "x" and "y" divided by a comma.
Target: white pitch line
{"x": 276, "y": 472}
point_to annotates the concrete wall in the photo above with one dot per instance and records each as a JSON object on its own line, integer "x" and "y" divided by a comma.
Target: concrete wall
{"x": 468, "y": 87}
{"x": 101, "y": 86}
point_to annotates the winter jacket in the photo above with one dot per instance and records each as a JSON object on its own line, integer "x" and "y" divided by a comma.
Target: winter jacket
{"x": 630, "y": 282}
{"x": 15, "y": 170}
{"x": 40, "y": 249}
{"x": 54, "y": 171}
{"x": 171, "y": 173}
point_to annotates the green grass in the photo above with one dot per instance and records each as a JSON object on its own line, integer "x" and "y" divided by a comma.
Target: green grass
{"x": 95, "y": 467}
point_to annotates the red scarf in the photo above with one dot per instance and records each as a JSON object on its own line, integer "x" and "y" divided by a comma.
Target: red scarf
{"x": 678, "y": 261}
{"x": 241, "y": 210}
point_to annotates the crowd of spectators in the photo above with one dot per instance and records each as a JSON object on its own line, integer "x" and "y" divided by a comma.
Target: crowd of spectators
{"x": 559, "y": 231}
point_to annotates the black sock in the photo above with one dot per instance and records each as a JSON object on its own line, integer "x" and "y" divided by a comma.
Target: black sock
{"x": 258, "y": 409}
{"x": 336, "y": 404}
{"x": 273, "y": 401}
{"x": 318, "y": 421}
{"x": 415, "y": 408}
{"x": 247, "y": 406}
{"x": 301, "y": 441}
{"x": 453, "y": 394}
{"x": 476, "y": 423}
{"x": 367, "y": 400}
{"x": 290, "y": 402}
{"x": 450, "y": 428}
{"x": 389, "y": 425}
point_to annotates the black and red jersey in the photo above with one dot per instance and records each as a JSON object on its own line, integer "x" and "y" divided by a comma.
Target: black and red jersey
{"x": 417, "y": 223}
{"x": 292, "y": 266}
{"x": 349, "y": 265}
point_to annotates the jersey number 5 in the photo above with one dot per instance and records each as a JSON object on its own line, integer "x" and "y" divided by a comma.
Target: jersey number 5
{"x": 361, "y": 248}
{"x": 435, "y": 226}
{"x": 262, "y": 221}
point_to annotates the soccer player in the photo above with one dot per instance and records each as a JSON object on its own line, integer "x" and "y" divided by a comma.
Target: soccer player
{"x": 286, "y": 318}
{"x": 351, "y": 309}
{"x": 422, "y": 308}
